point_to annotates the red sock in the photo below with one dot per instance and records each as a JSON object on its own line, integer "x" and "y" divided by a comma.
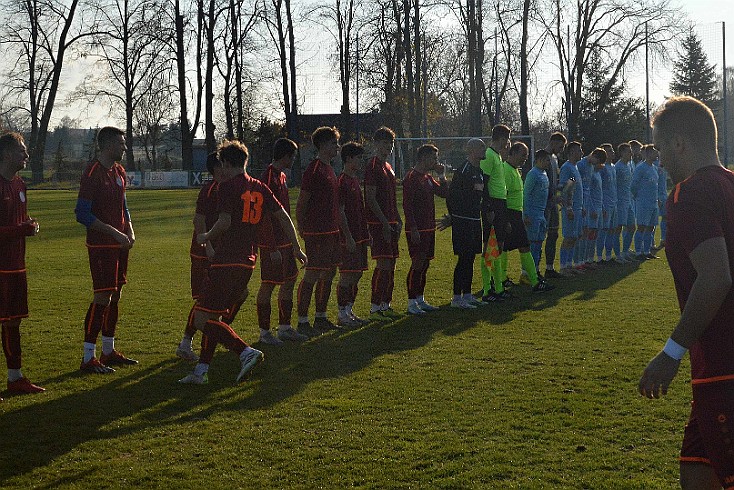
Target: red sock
{"x": 390, "y": 286}
{"x": 411, "y": 281}
{"x": 323, "y": 292}
{"x": 221, "y": 333}
{"x": 285, "y": 311}
{"x": 110, "y": 323}
{"x": 305, "y": 290}
{"x": 343, "y": 294}
{"x": 263, "y": 315}
{"x": 208, "y": 347}
{"x": 376, "y": 298}
{"x": 353, "y": 293}
{"x": 93, "y": 323}
{"x": 423, "y": 279}
{"x": 11, "y": 345}
{"x": 190, "y": 330}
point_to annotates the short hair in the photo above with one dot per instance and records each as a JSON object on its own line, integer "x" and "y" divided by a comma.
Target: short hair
{"x": 284, "y": 147}
{"x": 623, "y": 146}
{"x": 558, "y": 136}
{"x": 635, "y": 143}
{"x": 351, "y": 149}
{"x": 648, "y": 149}
{"x": 572, "y": 145}
{"x": 690, "y": 118}
{"x": 542, "y": 154}
{"x": 475, "y": 143}
{"x": 500, "y": 131}
{"x": 426, "y": 150}
{"x": 517, "y": 147}
{"x": 607, "y": 145}
{"x": 324, "y": 134}
{"x": 599, "y": 154}
{"x": 383, "y": 133}
{"x": 10, "y": 140}
{"x": 212, "y": 162}
{"x": 233, "y": 152}
{"x": 107, "y": 134}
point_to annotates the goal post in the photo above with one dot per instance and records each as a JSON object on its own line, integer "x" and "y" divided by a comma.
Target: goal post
{"x": 452, "y": 150}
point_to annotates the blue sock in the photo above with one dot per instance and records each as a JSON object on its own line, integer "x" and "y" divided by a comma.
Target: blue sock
{"x": 565, "y": 256}
{"x": 601, "y": 238}
{"x": 615, "y": 244}
{"x": 647, "y": 243}
{"x": 663, "y": 229}
{"x": 535, "y": 250}
{"x": 626, "y": 241}
{"x": 638, "y": 242}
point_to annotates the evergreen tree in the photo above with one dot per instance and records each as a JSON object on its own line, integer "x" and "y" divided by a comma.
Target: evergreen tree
{"x": 607, "y": 114}
{"x": 692, "y": 74}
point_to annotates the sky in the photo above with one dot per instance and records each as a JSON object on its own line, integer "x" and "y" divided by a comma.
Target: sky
{"x": 322, "y": 93}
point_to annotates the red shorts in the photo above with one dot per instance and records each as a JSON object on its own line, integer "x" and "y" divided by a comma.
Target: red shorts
{"x": 709, "y": 433}
{"x": 322, "y": 251}
{"x": 109, "y": 268}
{"x": 426, "y": 247}
{"x": 199, "y": 271}
{"x": 380, "y": 248}
{"x": 13, "y": 295}
{"x": 353, "y": 262}
{"x": 278, "y": 273}
{"x": 223, "y": 288}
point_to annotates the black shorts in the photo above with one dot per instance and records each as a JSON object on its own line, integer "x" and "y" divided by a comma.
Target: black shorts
{"x": 466, "y": 236}
{"x": 499, "y": 208}
{"x": 518, "y": 236}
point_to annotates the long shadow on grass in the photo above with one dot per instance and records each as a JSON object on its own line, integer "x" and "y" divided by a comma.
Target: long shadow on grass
{"x": 138, "y": 398}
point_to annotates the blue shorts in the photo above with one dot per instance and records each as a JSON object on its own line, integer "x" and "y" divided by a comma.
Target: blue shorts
{"x": 571, "y": 228}
{"x": 593, "y": 223}
{"x": 661, "y": 208}
{"x": 646, "y": 215}
{"x": 608, "y": 218}
{"x": 537, "y": 229}
{"x": 625, "y": 214}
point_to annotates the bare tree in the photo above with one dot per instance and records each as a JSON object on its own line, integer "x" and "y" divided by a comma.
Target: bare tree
{"x": 614, "y": 30}
{"x": 39, "y": 34}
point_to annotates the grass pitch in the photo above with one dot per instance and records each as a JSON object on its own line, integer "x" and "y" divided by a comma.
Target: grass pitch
{"x": 537, "y": 392}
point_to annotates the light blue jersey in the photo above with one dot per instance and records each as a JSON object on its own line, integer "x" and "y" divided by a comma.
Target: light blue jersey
{"x": 609, "y": 187}
{"x": 585, "y": 170}
{"x": 662, "y": 187}
{"x": 535, "y": 193}
{"x": 595, "y": 192}
{"x": 624, "y": 183}
{"x": 645, "y": 186}
{"x": 576, "y": 199}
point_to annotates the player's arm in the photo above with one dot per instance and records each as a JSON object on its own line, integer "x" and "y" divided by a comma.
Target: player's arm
{"x": 13, "y": 232}
{"x": 443, "y": 183}
{"x": 351, "y": 245}
{"x": 224, "y": 221}
{"x": 409, "y": 211}
{"x": 129, "y": 231}
{"x": 370, "y": 194}
{"x": 290, "y": 232}
{"x": 303, "y": 198}
{"x": 84, "y": 216}
{"x": 713, "y": 282}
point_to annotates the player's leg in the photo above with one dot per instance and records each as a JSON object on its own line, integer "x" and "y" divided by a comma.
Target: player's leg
{"x": 264, "y": 309}
{"x": 17, "y": 383}
{"x": 344, "y": 289}
{"x": 285, "y": 312}
{"x": 185, "y": 349}
{"x": 110, "y": 356}
{"x": 551, "y": 240}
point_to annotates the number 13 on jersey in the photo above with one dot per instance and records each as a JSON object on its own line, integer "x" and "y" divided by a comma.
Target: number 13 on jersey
{"x": 252, "y": 207}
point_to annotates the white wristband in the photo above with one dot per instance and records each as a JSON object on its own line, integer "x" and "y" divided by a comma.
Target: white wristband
{"x": 674, "y": 349}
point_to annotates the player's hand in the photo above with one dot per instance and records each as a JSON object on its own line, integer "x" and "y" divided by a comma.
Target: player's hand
{"x": 386, "y": 232}
{"x": 490, "y": 217}
{"x": 415, "y": 236}
{"x": 399, "y": 227}
{"x": 351, "y": 245}
{"x": 29, "y": 227}
{"x": 201, "y": 238}
{"x": 131, "y": 236}
{"x": 123, "y": 240}
{"x": 210, "y": 250}
{"x": 440, "y": 168}
{"x": 569, "y": 214}
{"x": 527, "y": 221}
{"x": 658, "y": 375}
{"x": 276, "y": 257}
{"x": 443, "y": 223}
{"x": 300, "y": 256}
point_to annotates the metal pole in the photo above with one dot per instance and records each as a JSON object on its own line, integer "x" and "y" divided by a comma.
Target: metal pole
{"x": 726, "y": 114}
{"x": 357, "y": 85}
{"x": 647, "y": 83}
{"x": 496, "y": 82}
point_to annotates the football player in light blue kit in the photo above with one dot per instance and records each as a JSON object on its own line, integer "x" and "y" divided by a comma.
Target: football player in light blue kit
{"x": 572, "y": 202}
{"x": 609, "y": 205}
{"x": 625, "y": 211}
{"x": 586, "y": 169}
{"x": 645, "y": 192}
{"x": 535, "y": 197}
{"x": 662, "y": 202}
{"x": 596, "y": 201}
